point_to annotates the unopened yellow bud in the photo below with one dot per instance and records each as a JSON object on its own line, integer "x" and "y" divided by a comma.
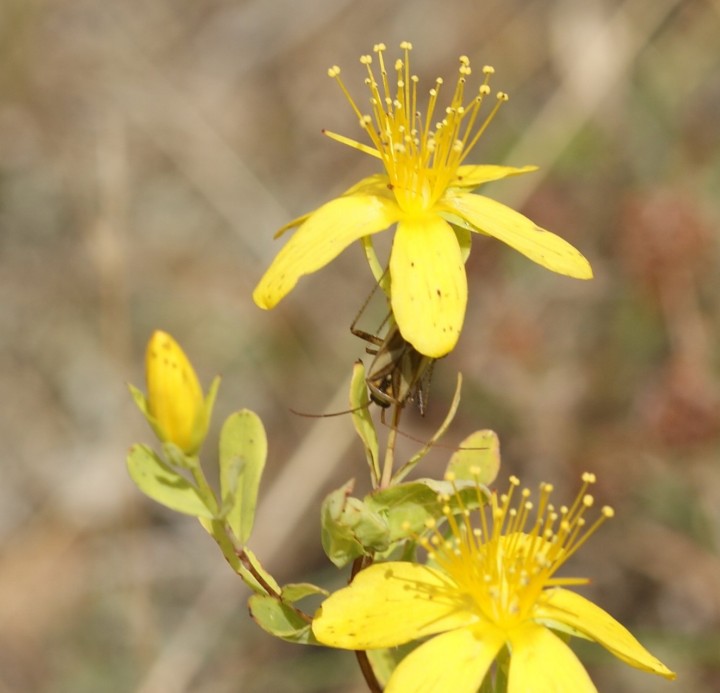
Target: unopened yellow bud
{"x": 175, "y": 401}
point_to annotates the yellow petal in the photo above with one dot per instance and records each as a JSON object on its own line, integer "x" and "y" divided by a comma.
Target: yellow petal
{"x": 473, "y": 176}
{"x": 376, "y": 184}
{"x": 428, "y": 284}
{"x": 541, "y": 661}
{"x": 572, "y": 609}
{"x": 389, "y": 604}
{"x": 541, "y": 246}
{"x": 456, "y": 661}
{"x": 323, "y": 236}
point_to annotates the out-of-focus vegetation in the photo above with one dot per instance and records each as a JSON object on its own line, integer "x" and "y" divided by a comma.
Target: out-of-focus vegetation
{"x": 148, "y": 152}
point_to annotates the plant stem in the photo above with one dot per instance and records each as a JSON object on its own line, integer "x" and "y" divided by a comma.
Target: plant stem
{"x": 390, "y": 448}
{"x": 367, "y": 671}
{"x": 205, "y": 489}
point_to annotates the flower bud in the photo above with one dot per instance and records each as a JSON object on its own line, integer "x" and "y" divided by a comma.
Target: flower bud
{"x": 175, "y": 405}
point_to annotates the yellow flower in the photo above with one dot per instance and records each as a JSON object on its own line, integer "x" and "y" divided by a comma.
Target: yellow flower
{"x": 488, "y": 586}
{"x": 175, "y": 406}
{"x": 426, "y": 191}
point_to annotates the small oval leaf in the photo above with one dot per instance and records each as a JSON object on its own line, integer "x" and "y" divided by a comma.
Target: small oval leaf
{"x": 478, "y": 458}
{"x": 281, "y": 620}
{"x": 163, "y": 484}
{"x": 243, "y": 451}
{"x": 362, "y": 420}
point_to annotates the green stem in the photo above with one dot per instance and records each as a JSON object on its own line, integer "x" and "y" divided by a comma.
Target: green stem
{"x": 389, "y": 462}
{"x": 208, "y": 495}
{"x": 239, "y": 560}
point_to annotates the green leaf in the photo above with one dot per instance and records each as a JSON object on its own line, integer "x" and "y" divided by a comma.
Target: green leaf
{"x": 406, "y": 507}
{"x": 163, "y": 484}
{"x": 281, "y": 620}
{"x": 243, "y": 451}
{"x": 349, "y": 528}
{"x": 362, "y": 420}
{"x": 478, "y": 457}
{"x": 294, "y": 592}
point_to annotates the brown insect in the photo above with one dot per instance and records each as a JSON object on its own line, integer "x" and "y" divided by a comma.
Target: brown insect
{"x": 398, "y": 372}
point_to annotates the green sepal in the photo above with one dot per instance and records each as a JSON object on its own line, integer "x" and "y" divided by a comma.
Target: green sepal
{"x": 142, "y": 404}
{"x": 243, "y": 451}
{"x": 349, "y": 528}
{"x": 200, "y": 426}
{"x": 202, "y": 420}
{"x": 502, "y": 670}
{"x": 139, "y": 399}
{"x": 382, "y": 276}
{"x": 478, "y": 458}
{"x": 464, "y": 237}
{"x": 281, "y": 620}
{"x": 296, "y": 591}
{"x": 362, "y": 420}
{"x": 163, "y": 484}
{"x": 407, "y": 507}
{"x": 385, "y": 660}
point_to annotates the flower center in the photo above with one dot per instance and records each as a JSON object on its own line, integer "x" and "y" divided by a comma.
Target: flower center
{"x": 421, "y": 157}
{"x": 503, "y": 560}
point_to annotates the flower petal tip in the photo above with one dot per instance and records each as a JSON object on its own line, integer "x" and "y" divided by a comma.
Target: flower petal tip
{"x": 262, "y": 300}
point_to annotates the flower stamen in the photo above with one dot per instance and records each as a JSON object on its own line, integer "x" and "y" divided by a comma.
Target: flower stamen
{"x": 421, "y": 161}
{"x": 504, "y": 564}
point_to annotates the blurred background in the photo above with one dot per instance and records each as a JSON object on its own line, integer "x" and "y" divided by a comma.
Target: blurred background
{"x": 148, "y": 152}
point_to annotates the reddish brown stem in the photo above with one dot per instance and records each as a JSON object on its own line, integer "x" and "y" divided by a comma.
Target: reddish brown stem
{"x": 367, "y": 672}
{"x": 365, "y": 667}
